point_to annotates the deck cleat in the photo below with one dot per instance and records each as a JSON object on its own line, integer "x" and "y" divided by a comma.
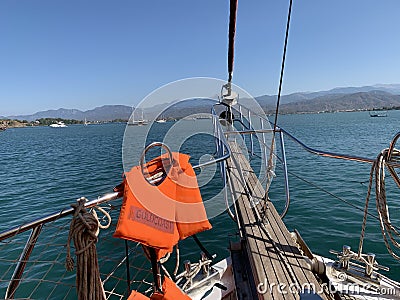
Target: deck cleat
{"x": 357, "y": 267}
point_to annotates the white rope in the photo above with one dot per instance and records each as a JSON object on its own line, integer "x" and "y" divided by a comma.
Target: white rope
{"x": 106, "y": 214}
{"x": 389, "y": 232}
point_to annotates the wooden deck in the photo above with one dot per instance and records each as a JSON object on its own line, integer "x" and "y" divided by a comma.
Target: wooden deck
{"x": 274, "y": 257}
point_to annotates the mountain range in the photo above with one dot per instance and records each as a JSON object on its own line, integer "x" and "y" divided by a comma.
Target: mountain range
{"x": 103, "y": 113}
{"x": 338, "y": 99}
{"x": 383, "y": 96}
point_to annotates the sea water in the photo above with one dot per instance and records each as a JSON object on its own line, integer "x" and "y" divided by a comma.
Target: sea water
{"x": 45, "y": 169}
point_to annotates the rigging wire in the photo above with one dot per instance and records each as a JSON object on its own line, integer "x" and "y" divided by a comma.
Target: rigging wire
{"x": 336, "y": 196}
{"x": 283, "y": 64}
{"x": 328, "y": 192}
{"x": 270, "y": 161}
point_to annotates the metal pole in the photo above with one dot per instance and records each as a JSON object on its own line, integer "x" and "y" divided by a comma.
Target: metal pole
{"x": 251, "y": 136}
{"x": 55, "y": 216}
{"x": 23, "y": 259}
{"x": 285, "y": 173}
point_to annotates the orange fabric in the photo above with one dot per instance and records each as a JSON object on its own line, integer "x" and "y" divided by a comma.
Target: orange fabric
{"x": 160, "y": 215}
{"x": 135, "y": 295}
{"x": 190, "y": 214}
{"x": 171, "y": 292}
{"x": 143, "y": 221}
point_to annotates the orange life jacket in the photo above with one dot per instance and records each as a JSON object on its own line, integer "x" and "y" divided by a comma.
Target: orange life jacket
{"x": 160, "y": 215}
{"x": 170, "y": 292}
{"x": 135, "y": 295}
{"x": 190, "y": 214}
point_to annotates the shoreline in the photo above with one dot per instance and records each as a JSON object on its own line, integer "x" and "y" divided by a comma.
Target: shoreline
{"x": 14, "y": 123}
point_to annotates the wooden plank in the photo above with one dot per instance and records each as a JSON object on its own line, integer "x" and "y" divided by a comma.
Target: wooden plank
{"x": 279, "y": 233}
{"x": 274, "y": 255}
{"x": 265, "y": 262}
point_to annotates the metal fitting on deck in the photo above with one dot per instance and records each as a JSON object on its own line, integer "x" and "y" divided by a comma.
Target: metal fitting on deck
{"x": 346, "y": 251}
{"x": 369, "y": 266}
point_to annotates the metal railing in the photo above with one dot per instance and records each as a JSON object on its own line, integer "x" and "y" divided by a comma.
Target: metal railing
{"x": 246, "y": 128}
{"x": 55, "y": 216}
{"x": 36, "y": 227}
{"x": 256, "y": 133}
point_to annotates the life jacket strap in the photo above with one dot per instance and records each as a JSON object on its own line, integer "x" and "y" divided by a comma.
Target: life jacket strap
{"x": 155, "y": 269}
{"x": 202, "y": 248}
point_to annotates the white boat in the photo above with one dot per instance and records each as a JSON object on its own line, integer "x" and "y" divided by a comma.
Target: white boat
{"x": 137, "y": 123}
{"x": 140, "y": 122}
{"x": 162, "y": 120}
{"x": 58, "y": 125}
{"x": 378, "y": 114}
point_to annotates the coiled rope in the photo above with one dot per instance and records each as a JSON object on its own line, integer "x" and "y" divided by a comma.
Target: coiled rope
{"x": 83, "y": 230}
{"x": 389, "y": 232}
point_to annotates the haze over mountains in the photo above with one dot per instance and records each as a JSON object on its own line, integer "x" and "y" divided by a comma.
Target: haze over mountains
{"x": 338, "y": 99}
{"x": 103, "y": 113}
{"x": 384, "y": 96}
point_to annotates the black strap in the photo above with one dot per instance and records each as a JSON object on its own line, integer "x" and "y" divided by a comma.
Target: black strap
{"x": 155, "y": 269}
{"x": 202, "y": 248}
{"x": 128, "y": 275}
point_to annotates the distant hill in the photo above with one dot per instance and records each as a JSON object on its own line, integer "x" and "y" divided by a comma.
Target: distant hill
{"x": 267, "y": 101}
{"x": 108, "y": 113}
{"x": 181, "y": 109}
{"x": 344, "y": 102}
{"x": 338, "y": 99}
{"x": 383, "y": 96}
{"x": 103, "y": 113}
{"x": 389, "y": 88}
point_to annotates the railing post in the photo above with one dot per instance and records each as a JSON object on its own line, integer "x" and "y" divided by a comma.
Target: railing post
{"x": 216, "y": 134}
{"x": 241, "y": 121}
{"x": 23, "y": 259}
{"x": 251, "y": 135}
{"x": 264, "y": 142}
{"x": 285, "y": 174}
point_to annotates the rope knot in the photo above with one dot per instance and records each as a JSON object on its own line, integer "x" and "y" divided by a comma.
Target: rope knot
{"x": 83, "y": 231}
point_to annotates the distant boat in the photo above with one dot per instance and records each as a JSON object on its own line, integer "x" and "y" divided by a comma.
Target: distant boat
{"x": 58, "y": 125}
{"x": 3, "y": 128}
{"x": 161, "y": 120}
{"x": 202, "y": 117}
{"x": 85, "y": 123}
{"x": 377, "y": 115}
{"x": 139, "y": 122}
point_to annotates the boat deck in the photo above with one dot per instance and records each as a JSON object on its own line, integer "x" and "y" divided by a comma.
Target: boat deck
{"x": 276, "y": 263}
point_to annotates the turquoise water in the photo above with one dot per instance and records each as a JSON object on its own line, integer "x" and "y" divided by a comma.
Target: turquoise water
{"x": 324, "y": 221}
{"x": 44, "y": 170}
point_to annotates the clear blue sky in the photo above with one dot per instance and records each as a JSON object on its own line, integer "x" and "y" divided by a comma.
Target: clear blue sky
{"x": 83, "y": 54}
